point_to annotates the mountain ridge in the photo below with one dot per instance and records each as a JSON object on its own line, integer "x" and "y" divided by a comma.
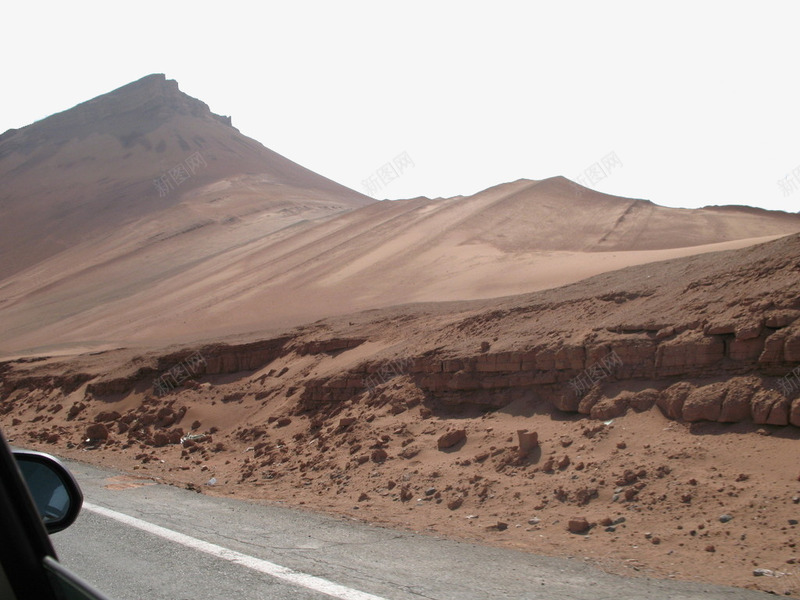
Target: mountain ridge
{"x": 136, "y": 151}
{"x": 94, "y": 252}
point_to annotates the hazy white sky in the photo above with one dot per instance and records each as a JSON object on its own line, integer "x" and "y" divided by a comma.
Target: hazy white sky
{"x": 698, "y": 102}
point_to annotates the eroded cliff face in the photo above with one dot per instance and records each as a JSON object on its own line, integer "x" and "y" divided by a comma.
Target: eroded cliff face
{"x": 727, "y": 372}
{"x": 752, "y": 359}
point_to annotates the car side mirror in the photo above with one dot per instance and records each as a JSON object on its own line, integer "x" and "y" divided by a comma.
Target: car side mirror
{"x": 53, "y": 488}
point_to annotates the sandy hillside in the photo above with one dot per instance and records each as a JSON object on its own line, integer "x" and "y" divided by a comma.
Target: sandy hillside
{"x": 95, "y": 255}
{"x": 229, "y": 259}
{"x": 658, "y": 394}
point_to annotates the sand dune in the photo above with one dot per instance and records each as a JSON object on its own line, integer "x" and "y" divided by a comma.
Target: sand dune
{"x": 95, "y": 254}
{"x": 215, "y": 266}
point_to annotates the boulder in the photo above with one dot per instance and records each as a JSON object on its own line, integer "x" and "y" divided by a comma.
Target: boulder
{"x": 527, "y": 440}
{"x": 451, "y": 438}
{"x": 794, "y": 413}
{"x": 644, "y": 399}
{"x": 592, "y": 397}
{"x": 736, "y": 405}
{"x": 96, "y": 432}
{"x": 106, "y": 416}
{"x": 379, "y": 455}
{"x": 671, "y": 400}
{"x": 578, "y": 525}
{"x": 610, "y": 408}
{"x": 770, "y": 407}
{"x": 455, "y": 503}
{"x": 704, "y": 403}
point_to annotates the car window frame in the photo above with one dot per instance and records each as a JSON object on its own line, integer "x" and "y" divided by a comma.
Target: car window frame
{"x": 27, "y": 556}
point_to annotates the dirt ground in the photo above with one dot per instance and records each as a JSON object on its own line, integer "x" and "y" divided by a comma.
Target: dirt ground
{"x": 703, "y": 502}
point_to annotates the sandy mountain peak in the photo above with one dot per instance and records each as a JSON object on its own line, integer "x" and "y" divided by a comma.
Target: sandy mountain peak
{"x": 144, "y": 203}
{"x": 132, "y": 154}
{"x": 126, "y": 113}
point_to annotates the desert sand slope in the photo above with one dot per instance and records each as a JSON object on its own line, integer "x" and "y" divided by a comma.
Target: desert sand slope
{"x": 211, "y": 267}
{"x": 229, "y": 259}
{"x": 92, "y": 254}
{"x": 84, "y": 172}
{"x": 675, "y": 460}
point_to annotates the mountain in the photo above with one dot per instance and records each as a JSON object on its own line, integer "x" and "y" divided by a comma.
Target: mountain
{"x": 85, "y": 172}
{"x": 140, "y": 217}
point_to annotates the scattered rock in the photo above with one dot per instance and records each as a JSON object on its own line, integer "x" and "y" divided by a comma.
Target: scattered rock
{"x": 96, "y": 432}
{"x": 455, "y": 503}
{"x": 106, "y": 416}
{"x": 770, "y": 407}
{"x": 451, "y": 438}
{"x": 611, "y": 408}
{"x": 578, "y": 525}
{"x": 409, "y": 451}
{"x": 527, "y": 441}
{"x": 75, "y": 410}
{"x": 160, "y": 439}
{"x": 379, "y": 455}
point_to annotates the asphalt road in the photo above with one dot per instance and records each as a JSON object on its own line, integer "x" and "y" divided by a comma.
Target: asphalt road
{"x": 157, "y": 541}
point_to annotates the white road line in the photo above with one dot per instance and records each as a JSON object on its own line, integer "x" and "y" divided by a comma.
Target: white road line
{"x": 318, "y": 584}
